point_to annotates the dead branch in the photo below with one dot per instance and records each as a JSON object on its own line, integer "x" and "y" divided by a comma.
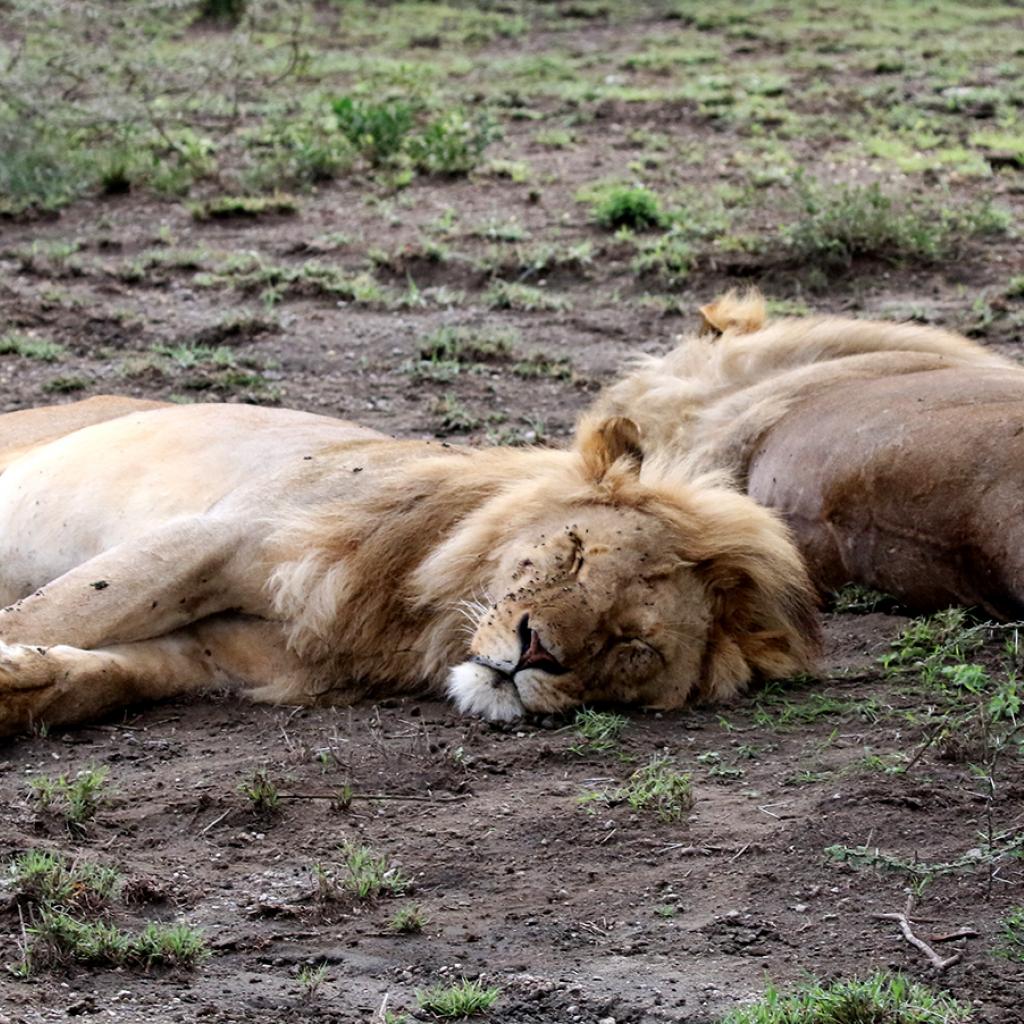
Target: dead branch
{"x": 903, "y": 920}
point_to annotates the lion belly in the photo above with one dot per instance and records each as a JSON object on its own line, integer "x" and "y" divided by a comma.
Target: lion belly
{"x": 913, "y": 485}
{"x": 67, "y": 501}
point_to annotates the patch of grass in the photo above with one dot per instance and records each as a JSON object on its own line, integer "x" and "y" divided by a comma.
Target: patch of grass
{"x": 838, "y": 226}
{"x": 656, "y": 786}
{"x": 261, "y": 793}
{"x": 1011, "y": 930}
{"x": 774, "y": 710}
{"x": 76, "y": 799}
{"x": 310, "y": 980}
{"x": 377, "y": 130}
{"x": 879, "y": 999}
{"x": 455, "y": 418}
{"x": 460, "y": 999}
{"x": 59, "y": 938}
{"x": 857, "y": 600}
{"x": 670, "y": 257}
{"x": 408, "y": 920}
{"x": 537, "y": 364}
{"x": 598, "y": 731}
{"x": 65, "y": 385}
{"x": 31, "y": 348}
{"x": 634, "y": 208}
{"x": 245, "y": 207}
{"x": 555, "y": 138}
{"x": 929, "y": 644}
{"x": 50, "y": 879}
{"x": 362, "y": 873}
{"x": 469, "y": 345}
{"x": 511, "y": 295}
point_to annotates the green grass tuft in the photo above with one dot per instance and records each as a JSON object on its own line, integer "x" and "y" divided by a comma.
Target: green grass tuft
{"x": 634, "y": 208}
{"x": 879, "y": 999}
{"x": 460, "y": 999}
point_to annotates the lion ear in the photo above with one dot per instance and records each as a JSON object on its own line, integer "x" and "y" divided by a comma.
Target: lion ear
{"x": 742, "y": 313}
{"x": 602, "y": 442}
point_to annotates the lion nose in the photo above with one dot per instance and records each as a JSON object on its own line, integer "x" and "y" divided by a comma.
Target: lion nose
{"x": 533, "y": 653}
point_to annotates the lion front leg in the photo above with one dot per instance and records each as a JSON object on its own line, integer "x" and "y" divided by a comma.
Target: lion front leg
{"x": 142, "y": 588}
{"x": 64, "y": 685}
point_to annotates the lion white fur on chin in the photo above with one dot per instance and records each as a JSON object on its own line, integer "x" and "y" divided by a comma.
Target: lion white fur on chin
{"x": 480, "y": 690}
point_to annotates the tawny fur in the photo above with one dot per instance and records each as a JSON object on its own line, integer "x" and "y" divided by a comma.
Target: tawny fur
{"x": 707, "y": 402}
{"x": 306, "y": 560}
{"x": 894, "y": 451}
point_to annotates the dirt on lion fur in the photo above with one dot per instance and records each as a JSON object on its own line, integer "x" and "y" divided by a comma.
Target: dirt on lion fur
{"x": 817, "y": 805}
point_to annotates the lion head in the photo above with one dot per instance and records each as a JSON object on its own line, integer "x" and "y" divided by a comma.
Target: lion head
{"x": 613, "y": 582}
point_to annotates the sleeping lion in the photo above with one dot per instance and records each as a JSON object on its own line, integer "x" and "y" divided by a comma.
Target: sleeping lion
{"x": 150, "y": 551}
{"x": 895, "y": 452}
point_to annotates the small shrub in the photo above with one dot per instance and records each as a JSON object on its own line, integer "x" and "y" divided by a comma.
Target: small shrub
{"x": 377, "y": 130}
{"x": 634, "y": 208}
{"x": 461, "y": 999}
{"x": 837, "y": 227}
{"x": 451, "y": 145}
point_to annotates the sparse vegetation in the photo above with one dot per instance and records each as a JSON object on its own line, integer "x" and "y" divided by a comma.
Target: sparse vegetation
{"x": 31, "y": 348}
{"x": 634, "y": 208}
{"x": 361, "y": 873}
{"x": 1012, "y": 935}
{"x": 261, "y": 792}
{"x": 65, "y": 907}
{"x": 598, "y": 732}
{"x": 245, "y": 207}
{"x": 409, "y": 920}
{"x": 76, "y": 799}
{"x": 396, "y": 220}
{"x": 657, "y": 786}
{"x": 839, "y": 226}
{"x": 460, "y": 999}
{"x": 882, "y": 998}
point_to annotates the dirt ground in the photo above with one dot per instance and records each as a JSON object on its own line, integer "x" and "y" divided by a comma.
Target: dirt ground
{"x": 581, "y": 913}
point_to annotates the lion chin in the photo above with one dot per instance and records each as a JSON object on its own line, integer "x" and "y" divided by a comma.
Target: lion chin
{"x": 477, "y": 688}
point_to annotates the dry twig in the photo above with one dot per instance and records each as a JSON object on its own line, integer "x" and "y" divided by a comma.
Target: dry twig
{"x": 903, "y": 920}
